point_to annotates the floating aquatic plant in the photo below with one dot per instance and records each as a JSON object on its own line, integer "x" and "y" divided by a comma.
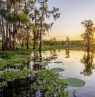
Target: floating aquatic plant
{"x": 58, "y": 62}
{"x": 57, "y": 69}
{"x": 74, "y": 82}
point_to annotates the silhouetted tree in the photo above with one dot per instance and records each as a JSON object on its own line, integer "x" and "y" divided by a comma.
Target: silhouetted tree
{"x": 88, "y": 34}
{"x": 39, "y": 18}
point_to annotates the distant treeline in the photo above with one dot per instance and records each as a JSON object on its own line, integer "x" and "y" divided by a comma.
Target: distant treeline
{"x": 52, "y": 43}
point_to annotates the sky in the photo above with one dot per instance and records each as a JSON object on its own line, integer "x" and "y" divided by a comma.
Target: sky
{"x": 73, "y": 12}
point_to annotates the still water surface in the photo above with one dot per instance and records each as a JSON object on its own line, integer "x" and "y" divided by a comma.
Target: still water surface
{"x": 76, "y": 64}
{"x": 73, "y": 67}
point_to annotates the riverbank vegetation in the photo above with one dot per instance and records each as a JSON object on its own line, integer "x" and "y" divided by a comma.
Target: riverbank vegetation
{"x": 23, "y": 24}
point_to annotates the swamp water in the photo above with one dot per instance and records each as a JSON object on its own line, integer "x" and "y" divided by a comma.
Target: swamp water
{"x": 72, "y": 64}
{"x": 76, "y": 64}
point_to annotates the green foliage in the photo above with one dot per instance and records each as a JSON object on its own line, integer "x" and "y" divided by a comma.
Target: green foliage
{"x": 13, "y": 59}
{"x": 23, "y": 18}
{"x": 13, "y": 75}
{"x": 49, "y": 81}
{"x": 25, "y": 53}
{"x": 3, "y": 84}
{"x": 88, "y": 35}
{"x": 15, "y": 17}
{"x": 6, "y": 54}
{"x": 2, "y": 63}
{"x": 18, "y": 59}
{"x": 2, "y": 10}
{"x": 14, "y": 1}
{"x": 14, "y": 54}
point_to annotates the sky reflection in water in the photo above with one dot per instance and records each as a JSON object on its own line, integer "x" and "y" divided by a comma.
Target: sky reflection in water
{"x": 77, "y": 64}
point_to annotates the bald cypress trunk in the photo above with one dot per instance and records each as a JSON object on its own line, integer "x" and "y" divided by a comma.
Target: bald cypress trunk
{"x": 27, "y": 40}
{"x": 3, "y": 35}
{"x": 40, "y": 41}
{"x": 10, "y": 34}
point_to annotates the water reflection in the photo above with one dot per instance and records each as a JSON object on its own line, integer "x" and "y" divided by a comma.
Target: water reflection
{"x": 67, "y": 53}
{"x": 53, "y": 54}
{"x": 88, "y": 62}
{"x": 19, "y": 88}
{"x": 41, "y": 62}
{"x": 37, "y": 60}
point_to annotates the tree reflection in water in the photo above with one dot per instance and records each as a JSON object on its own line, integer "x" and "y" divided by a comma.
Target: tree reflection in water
{"x": 37, "y": 60}
{"x": 53, "y": 53}
{"x": 67, "y": 53}
{"x": 40, "y": 62}
{"x": 87, "y": 60}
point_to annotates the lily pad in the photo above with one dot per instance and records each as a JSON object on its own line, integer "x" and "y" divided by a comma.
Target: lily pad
{"x": 58, "y": 62}
{"x": 74, "y": 82}
{"x": 52, "y": 57}
{"x": 57, "y": 69}
{"x": 49, "y": 62}
{"x": 44, "y": 63}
